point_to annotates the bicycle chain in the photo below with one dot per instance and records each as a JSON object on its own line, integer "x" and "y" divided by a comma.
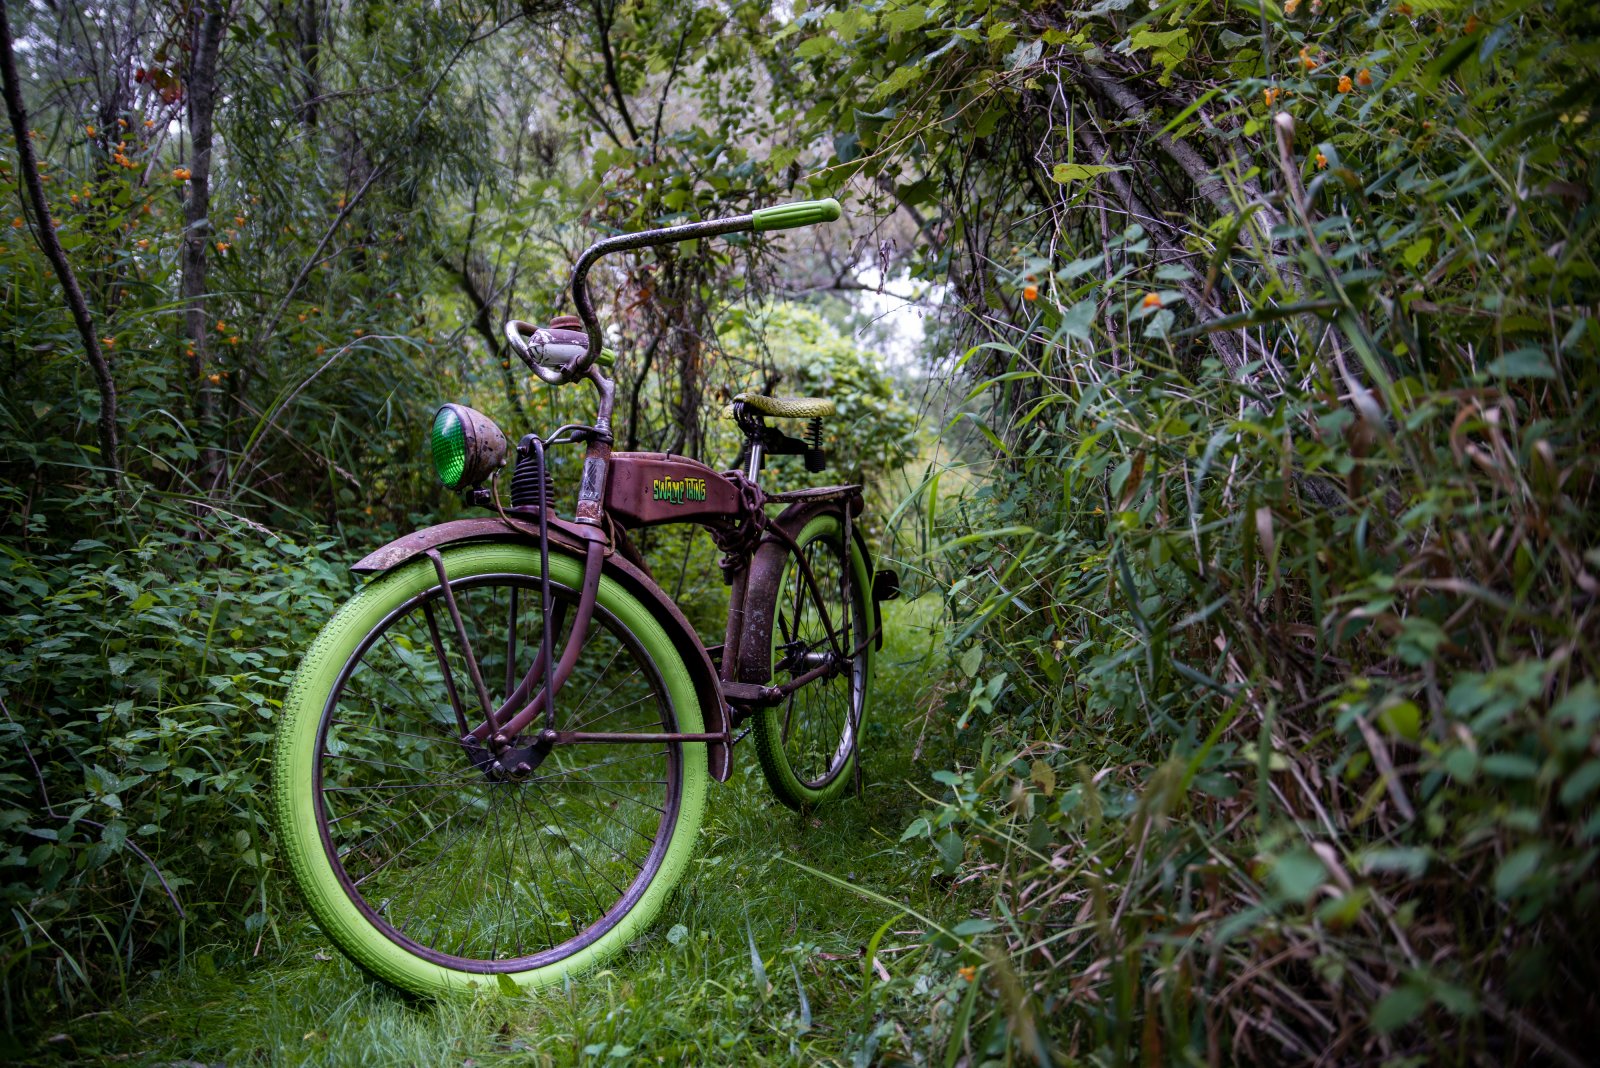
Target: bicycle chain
{"x": 739, "y": 543}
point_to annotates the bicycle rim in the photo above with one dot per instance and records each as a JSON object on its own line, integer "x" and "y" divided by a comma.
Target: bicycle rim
{"x": 424, "y": 857}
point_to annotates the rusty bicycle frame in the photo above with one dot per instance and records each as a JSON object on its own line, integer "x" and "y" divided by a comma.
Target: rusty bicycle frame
{"x": 616, "y": 496}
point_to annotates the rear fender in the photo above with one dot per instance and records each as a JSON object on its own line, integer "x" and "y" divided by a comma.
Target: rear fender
{"x": 766, "y": 571}
{"x": 574, "y": 538}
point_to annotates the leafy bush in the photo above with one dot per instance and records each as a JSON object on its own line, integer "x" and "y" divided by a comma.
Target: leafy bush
{"x": 1274, "y": 605}
{"x": 139, "y": 686}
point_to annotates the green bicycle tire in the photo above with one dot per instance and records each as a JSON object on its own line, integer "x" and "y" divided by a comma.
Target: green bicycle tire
{"x": 295, "y": 747}
{"x": 776, "y": 765}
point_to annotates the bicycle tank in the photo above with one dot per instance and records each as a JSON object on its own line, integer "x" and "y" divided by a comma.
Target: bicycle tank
{"x": 650, "y": 488}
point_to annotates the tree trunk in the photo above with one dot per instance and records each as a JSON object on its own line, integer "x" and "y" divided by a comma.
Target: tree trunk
{"x": 194, "y": 257}
{"x": 110, "y": 450}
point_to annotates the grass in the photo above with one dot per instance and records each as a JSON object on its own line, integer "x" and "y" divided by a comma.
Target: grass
{"x": 754, "y": 960}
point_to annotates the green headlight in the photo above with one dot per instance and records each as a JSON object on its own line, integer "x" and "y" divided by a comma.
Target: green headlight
{"x": 467, "y": 446}
{"x": 449, "y": 446}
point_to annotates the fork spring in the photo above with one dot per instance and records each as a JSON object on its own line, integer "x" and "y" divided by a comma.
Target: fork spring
{"x": 525, "y": 485}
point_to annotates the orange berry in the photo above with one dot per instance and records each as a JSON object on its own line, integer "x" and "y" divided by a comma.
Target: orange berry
{"x": 1364, "y": 77}
{"x": 148, "y": 123}
{"x": 238, "y": 220}
{"x": 1151, "y": 300}
{"x": 144, "y": 242}
{"x": 1270, "y": 96}
{"x": 16, "y": 224}
{"x": 89, "y": 130}
{"x": 182, "y": 174}
{"x": 213, "y": 379}
{"x": 1030, "y": 293}
{"x": 109, "y": 342}
{"x": 222, "y": 246}
{"x": 1472, "y": 24}
{"x": 234, "y": 340}
{"x": 1322, "y": 161}
{"x": 1305, "y": 59}
{"x": 221, "y": 326}
{"x": 967, "y": 972}
{"x": 320, "y": 350}
{"x": 1345, "y": 84}
{"x": 123, "y": 123}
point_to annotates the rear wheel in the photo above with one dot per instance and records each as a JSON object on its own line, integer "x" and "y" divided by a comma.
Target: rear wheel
{"x": 427, "y": 867}
{"x": 808, "y": 744}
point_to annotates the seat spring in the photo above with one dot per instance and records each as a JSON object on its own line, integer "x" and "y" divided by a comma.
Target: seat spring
{"x": 816, "y": 459}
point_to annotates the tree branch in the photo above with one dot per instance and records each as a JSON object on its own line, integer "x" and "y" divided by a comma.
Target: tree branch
{"x": 110, "y": 450}
{"x": 604, "y": 26}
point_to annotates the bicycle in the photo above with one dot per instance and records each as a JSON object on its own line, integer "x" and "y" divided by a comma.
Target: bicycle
{"x": 492, "y": 764}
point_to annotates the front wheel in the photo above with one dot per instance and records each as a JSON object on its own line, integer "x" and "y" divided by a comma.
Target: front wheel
{"x": 808, "y": 744}
{"x": 429, "y": 869}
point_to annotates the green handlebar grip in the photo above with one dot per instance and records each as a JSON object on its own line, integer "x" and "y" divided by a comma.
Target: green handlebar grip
{"x": 801, "y": 213}
{"x": 607, "y": 358}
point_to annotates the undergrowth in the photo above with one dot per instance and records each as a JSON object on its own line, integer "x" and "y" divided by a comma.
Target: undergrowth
{"x": 762, "y": 956}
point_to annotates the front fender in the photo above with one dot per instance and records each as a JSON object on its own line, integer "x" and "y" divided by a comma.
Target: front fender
{"x": 575, "y": 537}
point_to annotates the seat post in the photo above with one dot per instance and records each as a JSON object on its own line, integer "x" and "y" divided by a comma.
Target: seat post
{"x": 752, "y": 468}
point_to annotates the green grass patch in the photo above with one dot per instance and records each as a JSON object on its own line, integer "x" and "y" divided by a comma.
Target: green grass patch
{"x": 754, "y": 959}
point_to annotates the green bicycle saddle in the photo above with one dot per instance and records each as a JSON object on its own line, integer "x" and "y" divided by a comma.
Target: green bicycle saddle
{"x": 786, "y": 407}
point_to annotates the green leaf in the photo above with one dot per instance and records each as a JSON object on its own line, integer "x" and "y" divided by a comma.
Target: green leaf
{"x": 1077, "y": 172}
{"x": 1515, "y": 869}
{"x": 1402, "y": 719}
{"x": 1510, "y": 766}
{"x": 1168, "y": 47}
{"x": 821, "y": 45}
{"x": 1415, "y": 251}
{"x": 1529, "y": 362}
{"x": 1298, "y": 873}
{"x": 508, "y": 986}
{"x": 756, "y": 965}
{"x": 1078, "y": 319}
{"x": 1398, "y": 1007}
{"x": 1410, "y": 862}
{"x": 971, "y": 661}
{"x": 1580, "y": 784}
{"x": 1043, "y": 776}
{"x": 951, "y": 850}
{"x": 899, "y": 79}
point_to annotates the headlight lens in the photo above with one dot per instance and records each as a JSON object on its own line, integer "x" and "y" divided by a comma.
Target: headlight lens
{"x": 467, "y": 446}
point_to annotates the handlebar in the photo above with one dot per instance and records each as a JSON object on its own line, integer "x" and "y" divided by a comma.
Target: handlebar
{"x": 779, "y": 217}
